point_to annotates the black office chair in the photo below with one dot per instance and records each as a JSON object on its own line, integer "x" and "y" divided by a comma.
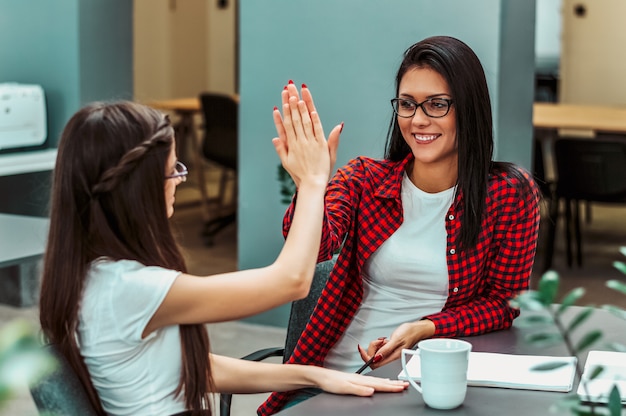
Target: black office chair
{"x": 539, "y": 168}
{"x": 299, "y": 315}
{"x": 61, "y": 392}
{"x": 590, "y": 170}
{"x": 219, "y": 146}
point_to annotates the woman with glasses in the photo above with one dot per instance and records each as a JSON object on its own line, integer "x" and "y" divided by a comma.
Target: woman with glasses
{"x": 435, "y": 239}
{"x": 116, "y": 298}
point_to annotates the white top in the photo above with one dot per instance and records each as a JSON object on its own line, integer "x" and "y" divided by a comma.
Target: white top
{"x": 132, "y": 376}
{"x": 405, "y": 279}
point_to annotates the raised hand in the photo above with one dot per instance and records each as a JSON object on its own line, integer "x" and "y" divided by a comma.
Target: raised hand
{"x": 301, "y": 126}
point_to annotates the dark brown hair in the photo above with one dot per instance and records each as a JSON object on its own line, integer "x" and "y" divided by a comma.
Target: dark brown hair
{"x": 108, "y": 200}
{"x": 460, "y": 67}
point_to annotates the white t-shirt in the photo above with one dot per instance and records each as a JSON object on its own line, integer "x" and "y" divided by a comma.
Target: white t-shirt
{"x": 405, "y": 279}
{"x": 132, "y": 376}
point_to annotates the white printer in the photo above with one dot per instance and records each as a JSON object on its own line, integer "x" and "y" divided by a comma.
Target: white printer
{"x": 22, "y": 116}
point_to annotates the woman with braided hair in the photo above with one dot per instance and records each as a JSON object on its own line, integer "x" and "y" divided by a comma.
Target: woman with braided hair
{"x": 116, "y": 297}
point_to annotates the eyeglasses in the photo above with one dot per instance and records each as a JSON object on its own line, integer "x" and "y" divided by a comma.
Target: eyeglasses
{"x": 432, "y": 107}
{"x": 181, "y": 172}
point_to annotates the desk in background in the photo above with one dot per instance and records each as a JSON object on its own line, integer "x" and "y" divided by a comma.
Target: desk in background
{"x": 579, "y": 117}
{"x": 22, "y": 245}
{"x": 186, "y": 109}
{"x": 480, "y": 401}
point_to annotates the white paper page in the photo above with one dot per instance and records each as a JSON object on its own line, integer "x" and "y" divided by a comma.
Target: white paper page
{"x": 614, "y": 373}
{"x": 511, "y": 371}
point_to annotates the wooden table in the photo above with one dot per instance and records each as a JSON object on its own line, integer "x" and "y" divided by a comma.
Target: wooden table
{"x": 579, "y": 117}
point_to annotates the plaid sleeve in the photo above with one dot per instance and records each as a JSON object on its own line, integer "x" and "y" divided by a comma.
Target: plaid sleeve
{"x": 342, "y": 196}
{"x": 483, "y": 282}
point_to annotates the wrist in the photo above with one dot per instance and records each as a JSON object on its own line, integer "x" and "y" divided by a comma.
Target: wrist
{"x": 314, "y": 183}
{"x": 422, "y": 329}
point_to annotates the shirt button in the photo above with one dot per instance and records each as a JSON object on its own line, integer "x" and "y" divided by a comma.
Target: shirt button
{"x": 456, "y": 289}
{"x": 452, "y": 251}
{"x": 450, "y": 217}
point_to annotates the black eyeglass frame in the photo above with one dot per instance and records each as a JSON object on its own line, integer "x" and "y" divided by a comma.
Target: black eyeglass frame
{"x": 448, "y": 101}
{"x": 181, "y": 171}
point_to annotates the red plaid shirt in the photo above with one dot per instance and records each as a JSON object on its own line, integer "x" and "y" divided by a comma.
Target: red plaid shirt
{"x": 363, "y": 204}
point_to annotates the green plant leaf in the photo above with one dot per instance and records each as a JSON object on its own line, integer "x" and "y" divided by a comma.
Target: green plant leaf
{"x": 534, "y": 321}
{"x": 616, "y": 346}
{"x": 569, "y": 403}
{"x": 549, "y": 366}
{"x": 615, "y": 402}
{"x": 617, "y": 285}
{"x": 596, "y": 371}
{"x": 588, "y": 340}
{"x": 548, "y": 287}
{"x": 615, "y": 310}
{"x": 581, "y": 317}
{"x": 545, "y": 339}
{"x": 528, "y": 300}
{"x": 571, "y": 298}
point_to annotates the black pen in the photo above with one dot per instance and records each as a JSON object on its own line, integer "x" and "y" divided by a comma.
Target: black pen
{"x": 367, "y": 364}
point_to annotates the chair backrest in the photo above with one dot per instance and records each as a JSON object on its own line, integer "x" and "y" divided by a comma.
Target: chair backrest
{"x": 61, "y": 392}
{"x": 302, "y": 309}
{"x": 220, "y": 115}
{"x": 607, "y": 135}
{"x": 591, "y": 169}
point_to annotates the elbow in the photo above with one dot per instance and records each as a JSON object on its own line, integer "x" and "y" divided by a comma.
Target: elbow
{"x": 301, "y": 285}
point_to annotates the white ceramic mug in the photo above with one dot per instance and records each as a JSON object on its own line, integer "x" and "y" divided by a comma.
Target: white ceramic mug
{"x": 443, "y": 365}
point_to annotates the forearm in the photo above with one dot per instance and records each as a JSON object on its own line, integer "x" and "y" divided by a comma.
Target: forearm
{"x": 478, "y": 316}
{"x": 239, "y": 376}
{"x": 299, "y": 253}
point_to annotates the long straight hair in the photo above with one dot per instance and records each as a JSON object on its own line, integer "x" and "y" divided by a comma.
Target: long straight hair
{"x": 464, "y": 74}
{"x": 108, "y": 200}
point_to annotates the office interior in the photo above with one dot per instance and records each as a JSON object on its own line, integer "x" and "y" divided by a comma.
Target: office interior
{"x": 347, "y": 53}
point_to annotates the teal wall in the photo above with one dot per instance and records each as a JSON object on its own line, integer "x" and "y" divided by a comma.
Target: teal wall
{"x": 348, "y": 52}
{"x": 78, "y": 51}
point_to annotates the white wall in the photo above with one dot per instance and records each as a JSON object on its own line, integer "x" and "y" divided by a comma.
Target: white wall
{"x": 347, "y": 52}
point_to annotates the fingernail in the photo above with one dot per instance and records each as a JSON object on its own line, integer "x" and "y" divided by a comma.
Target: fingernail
{"x": 275, "y": 108}
{"x": 358, "y": 347}
{"x": 377, "y": 358}
{"x": 290, "y": 81}
{"x": 340, "y": 130}
{"x": 381, "y": 338}
{"x": 304, "y": 85}
{"x": 285, "y": 87}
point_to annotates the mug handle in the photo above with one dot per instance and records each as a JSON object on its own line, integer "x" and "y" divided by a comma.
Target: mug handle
{"x": 403, "y": 355}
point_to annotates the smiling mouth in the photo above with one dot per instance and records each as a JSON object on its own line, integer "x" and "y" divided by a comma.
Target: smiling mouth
{"x": 425, "y": 138}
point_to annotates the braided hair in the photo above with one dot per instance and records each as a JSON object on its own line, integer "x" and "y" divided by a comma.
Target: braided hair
{"x": 108, "y": 201}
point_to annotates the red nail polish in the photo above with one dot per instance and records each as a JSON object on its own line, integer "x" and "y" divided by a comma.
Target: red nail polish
{"x": 340, "y": 130}
{"x": 285, "y": 88}
{"x": 377, "y": 358}
{"x": 304, "y": 85}
{"x": 290, "y": 81}
{"x": 275, "y": 108}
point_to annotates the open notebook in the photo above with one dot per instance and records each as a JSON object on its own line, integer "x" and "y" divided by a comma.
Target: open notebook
{"x": 613, "y": 373}
{"x": 510, "y": 371}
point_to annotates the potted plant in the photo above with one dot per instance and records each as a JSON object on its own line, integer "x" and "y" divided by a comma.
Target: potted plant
{"x": 555, "y": 330}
